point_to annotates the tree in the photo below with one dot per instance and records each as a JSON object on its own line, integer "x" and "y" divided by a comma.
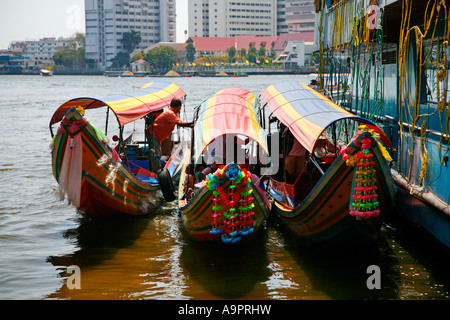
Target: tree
{"x": 252, "y": 54}
{"x": 74, "y": 54}
{"x": 130, "y": 40}
{"x": 137, "y": 56}
{"x": 242, "y": 54}
{"x": 231, "y": 53}
{"x": 161, "y": 58}
{"x": 190, "y": 52}
{"x": 120, "y": 60}
{"x": 262, "y": 50}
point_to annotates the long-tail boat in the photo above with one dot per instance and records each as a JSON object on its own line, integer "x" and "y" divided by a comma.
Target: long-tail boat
{"x": 229, "y": 203}
{"x": 97, "y": 179}
{"x": 395, "y": 55}
{"x": 345, "y": 189}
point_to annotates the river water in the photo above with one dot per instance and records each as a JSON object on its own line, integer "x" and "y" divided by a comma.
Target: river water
{"x": 150, "y": 257}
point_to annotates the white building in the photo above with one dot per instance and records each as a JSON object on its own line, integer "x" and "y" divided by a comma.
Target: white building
{"x": 41, "y": 51}
{"x": 108, "y": 20}
{"x": 293, "y": 55}
{"x": 229, "y": 18}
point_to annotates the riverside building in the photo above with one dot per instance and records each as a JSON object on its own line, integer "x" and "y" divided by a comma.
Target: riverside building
{"x": 108, "y": 20}
{"x": 229, "y": 18}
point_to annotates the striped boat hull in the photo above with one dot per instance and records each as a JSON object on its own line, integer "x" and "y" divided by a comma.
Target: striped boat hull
{"x": 324, "y": 214}
{"x": 197, "y": 214}
{"x": 108, "y": 188}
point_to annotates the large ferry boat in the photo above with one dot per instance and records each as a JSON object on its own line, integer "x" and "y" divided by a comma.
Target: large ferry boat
{"x": 392, "y": 55}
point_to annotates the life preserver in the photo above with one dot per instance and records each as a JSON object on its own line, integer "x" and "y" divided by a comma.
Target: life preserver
{"x": 166, "y": 185}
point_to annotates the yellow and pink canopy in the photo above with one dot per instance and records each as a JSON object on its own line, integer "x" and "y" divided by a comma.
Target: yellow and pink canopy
{"x": 306, "y": 112}
{"x": 130, "y": 107}
{"x": 229, "y": 111}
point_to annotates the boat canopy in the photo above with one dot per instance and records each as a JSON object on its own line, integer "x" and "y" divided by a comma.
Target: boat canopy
{"x": 229, "y": 111}
{"x": 130, "y": 107}
{"x": 306, "y": 112}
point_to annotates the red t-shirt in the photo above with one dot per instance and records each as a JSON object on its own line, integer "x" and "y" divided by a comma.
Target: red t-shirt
{"x": 164, "y": 125}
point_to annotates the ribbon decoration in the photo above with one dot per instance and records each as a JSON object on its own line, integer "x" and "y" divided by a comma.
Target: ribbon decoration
{"x": 233, "y": 208}
{"x": 364, "y": 196}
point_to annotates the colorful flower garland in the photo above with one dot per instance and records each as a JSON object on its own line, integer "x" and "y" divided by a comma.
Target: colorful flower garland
{"x": 233, "y": 209}
{"x": 364, "y": 195}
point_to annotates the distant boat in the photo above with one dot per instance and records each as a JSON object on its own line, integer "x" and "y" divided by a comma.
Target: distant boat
{"x": 46, "y": 73}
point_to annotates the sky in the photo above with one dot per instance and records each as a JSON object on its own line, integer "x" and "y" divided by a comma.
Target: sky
{"x": 35, "y": 19}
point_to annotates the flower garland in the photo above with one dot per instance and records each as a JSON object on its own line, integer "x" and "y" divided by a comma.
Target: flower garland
{"x": 364, "y": 197}
{"x": 233, "y": 209}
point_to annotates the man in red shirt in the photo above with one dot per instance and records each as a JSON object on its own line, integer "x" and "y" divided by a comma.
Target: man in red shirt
{"x": 161, "y": 129}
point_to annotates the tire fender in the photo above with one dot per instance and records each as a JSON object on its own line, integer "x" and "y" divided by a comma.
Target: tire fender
{"x": 166, "y": 185}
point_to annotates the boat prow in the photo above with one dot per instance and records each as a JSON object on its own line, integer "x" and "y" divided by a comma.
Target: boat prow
{"x": 341, "y": 191}
{"x": 92, "y": 176}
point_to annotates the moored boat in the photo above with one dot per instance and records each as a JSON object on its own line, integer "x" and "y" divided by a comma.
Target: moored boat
{"x": 46, "y": 72}
{"x": 224, "y": 198}
{"x": 341, "y": 190}
{"x": 396, "y": 54}
{"x": 97, "y": 179}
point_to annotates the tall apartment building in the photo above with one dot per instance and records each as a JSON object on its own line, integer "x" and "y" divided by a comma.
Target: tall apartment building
{"x": 108, "y": 20}
{"x": 229, "y": 18}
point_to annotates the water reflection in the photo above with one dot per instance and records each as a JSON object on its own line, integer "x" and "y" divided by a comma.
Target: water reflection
{"x": 152, "y": 258}
{"x": 105, "y": 249}
{"x": 225, "y": 271}
{"x": 341, "y": 272}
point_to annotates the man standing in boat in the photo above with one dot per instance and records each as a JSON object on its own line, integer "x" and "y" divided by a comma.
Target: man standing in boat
{"x": 160, "y": 129}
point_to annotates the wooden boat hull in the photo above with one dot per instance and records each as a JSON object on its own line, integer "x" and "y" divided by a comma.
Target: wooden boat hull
{"x": 324, "y": 214}
{"x": 197, "y": 214}
{"x": 107, "y": 187}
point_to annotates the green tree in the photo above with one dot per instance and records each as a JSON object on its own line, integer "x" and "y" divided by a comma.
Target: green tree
{"x": 262, "y": 50}
{"x": 137, "y": 56}
{"x": 120, "y": 60}
{"x": 190, "y": 52}
{"x": 74, "y": 54}
{"x": 251, "y": 56}
{"x": 242, "y": 54}
{"x": 162, "y": 58}
{"x": 130, "y": 40}
{"x": 231, "y": 53}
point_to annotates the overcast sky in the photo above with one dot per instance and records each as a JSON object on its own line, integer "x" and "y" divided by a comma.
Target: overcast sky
{"x": 36, "y": 19}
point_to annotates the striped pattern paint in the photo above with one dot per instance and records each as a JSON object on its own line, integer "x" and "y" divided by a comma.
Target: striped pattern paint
{"x": 303, "y": 110}
{"x": 108, "y": 188}
{"x": 129, "y": 107}
{"x": 325, "y": 214}
{"x": 197, "y": 213}
{"x": 229, "y": 111}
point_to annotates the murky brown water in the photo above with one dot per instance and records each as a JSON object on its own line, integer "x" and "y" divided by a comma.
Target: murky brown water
{"x": 151, "y": 257}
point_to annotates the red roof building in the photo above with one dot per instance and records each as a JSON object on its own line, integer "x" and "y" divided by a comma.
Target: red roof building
{"x": 219, "y": 45}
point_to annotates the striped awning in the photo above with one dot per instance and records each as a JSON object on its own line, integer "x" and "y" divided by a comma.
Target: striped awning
{"x": 129, "y": 107}
{"x": 229, "y": 111}
{"x": 306, "y": 112}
